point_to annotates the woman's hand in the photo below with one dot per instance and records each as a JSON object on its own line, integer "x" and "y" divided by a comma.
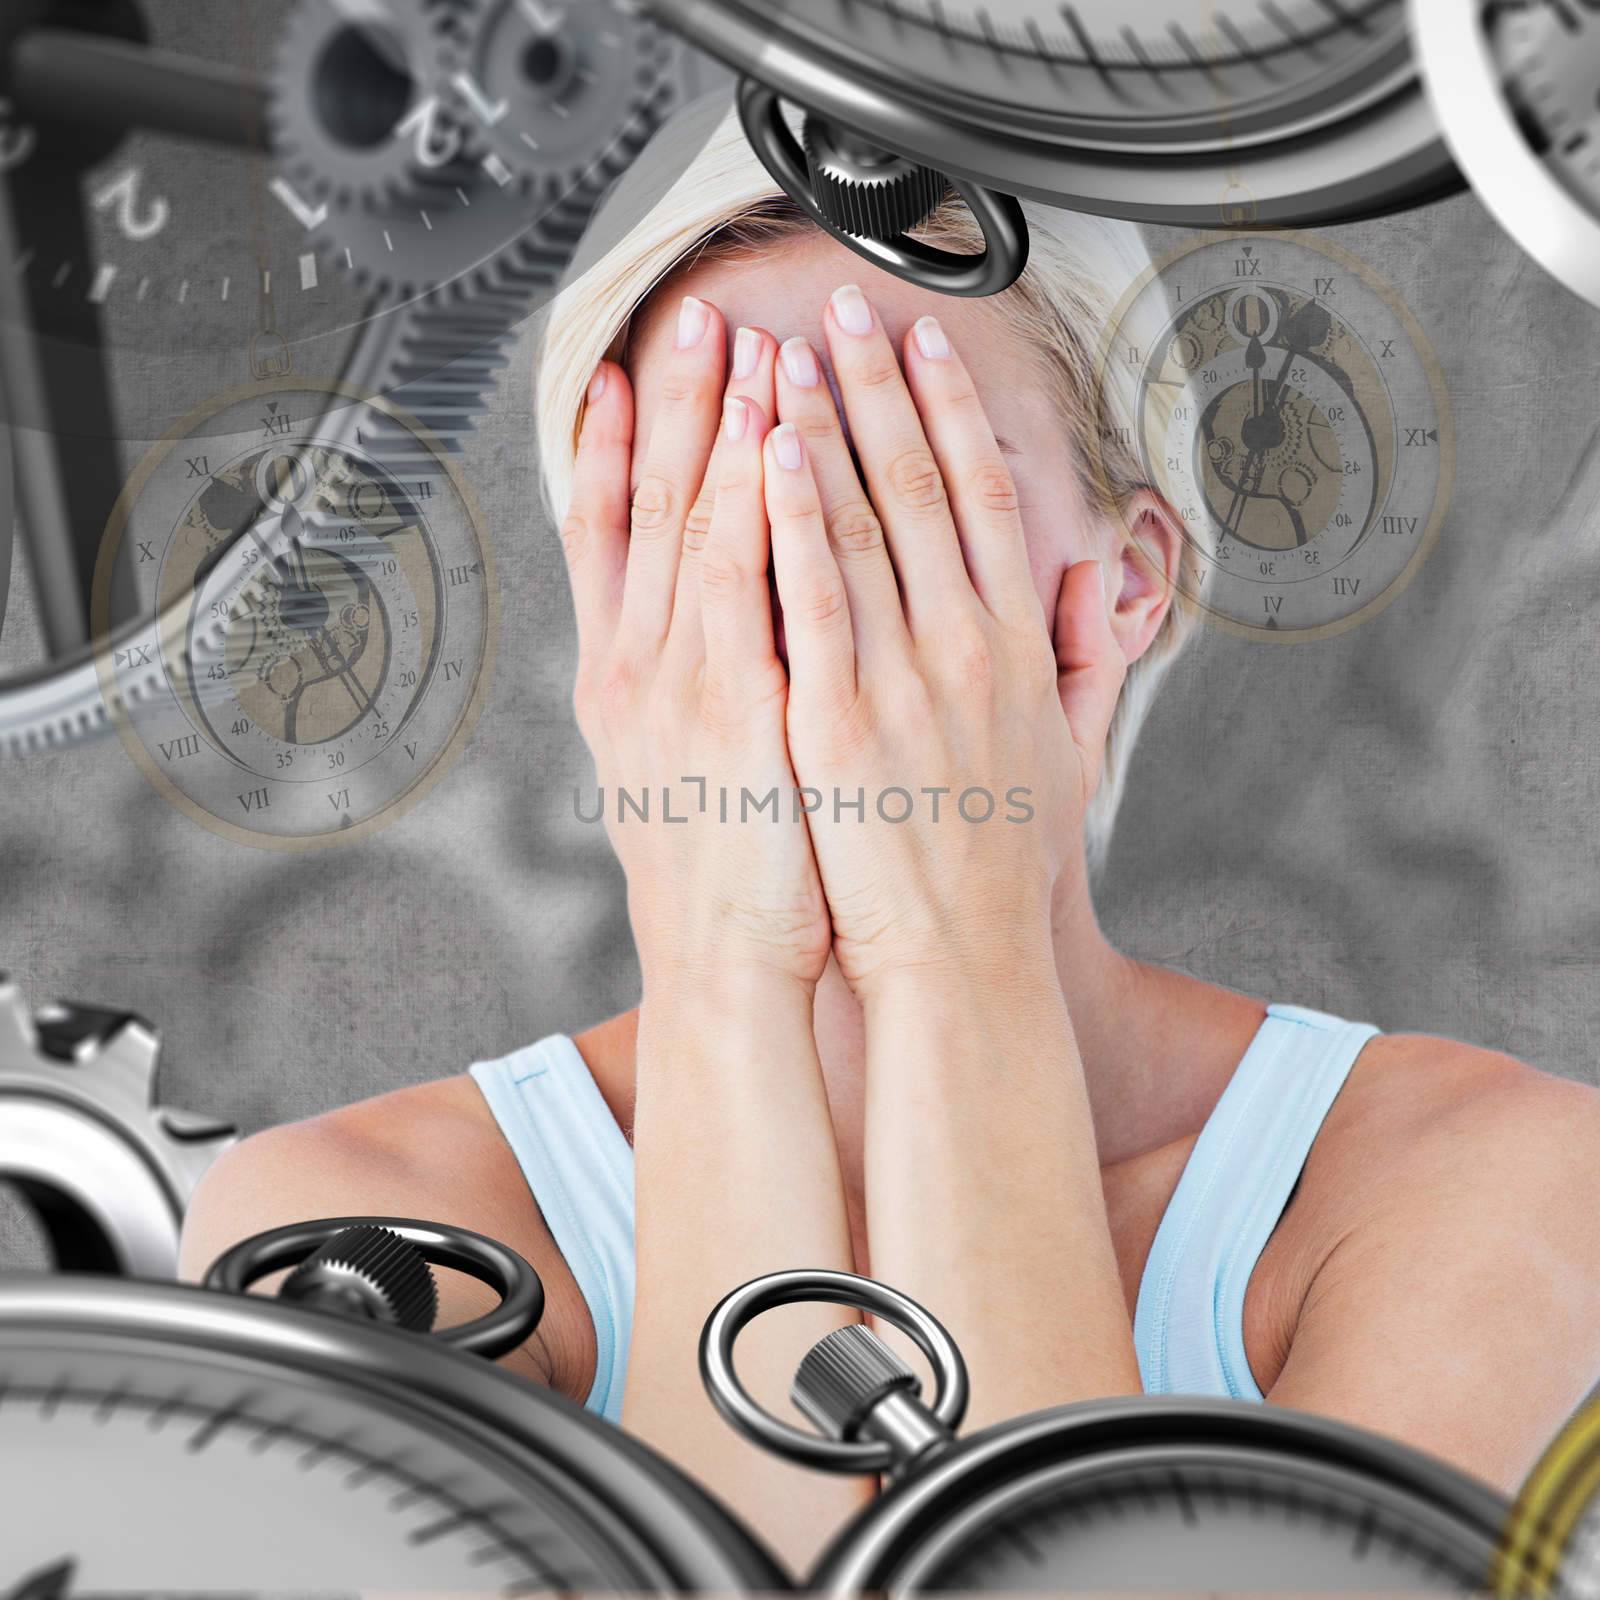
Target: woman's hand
{"x": 926, "y": 705}
{"x": 681, "y": 695}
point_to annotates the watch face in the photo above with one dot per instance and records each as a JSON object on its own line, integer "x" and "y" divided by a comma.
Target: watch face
{"x": 162, "y": 1464}
{"x": 326, "y": 621}
{"x": 1252, "y": 55}
{"x": 1224, "y": 1521}
{"x": 1290, "y": 411}
{"x": 380, "y": 154}
{"x": 1513, "y": 88}
{"x": 1155, "y": 108}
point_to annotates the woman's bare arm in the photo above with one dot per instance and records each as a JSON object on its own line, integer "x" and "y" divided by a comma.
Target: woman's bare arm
{"x": 681, "y": 698}
{"x": 924, "y": 674}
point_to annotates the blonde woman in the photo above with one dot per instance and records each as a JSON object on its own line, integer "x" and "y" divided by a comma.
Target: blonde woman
{"x": 880, "y": 1027}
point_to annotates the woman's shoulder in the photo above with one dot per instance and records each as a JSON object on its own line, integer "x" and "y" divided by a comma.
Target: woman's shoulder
{"x": 1428, "y": 1105}
{"x": 1438, "y": 1274}
{"x": 1433, "y": 1134}
{"x": 1461, "y": 1179}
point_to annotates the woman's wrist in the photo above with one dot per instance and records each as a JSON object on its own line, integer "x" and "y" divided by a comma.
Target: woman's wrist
{"x": 1006, "y": 959}
{"x": 733, "y": 1001}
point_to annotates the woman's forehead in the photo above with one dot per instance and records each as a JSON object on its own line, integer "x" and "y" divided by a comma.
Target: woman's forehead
{"x": 786, "y": 290}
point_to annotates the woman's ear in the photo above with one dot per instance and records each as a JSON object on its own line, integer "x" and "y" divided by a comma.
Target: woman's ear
{"x": 1144, "y": 570}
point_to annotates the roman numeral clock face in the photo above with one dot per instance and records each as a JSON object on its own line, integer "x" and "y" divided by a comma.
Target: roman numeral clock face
{"x": 1292, "y": 414}
{"x": 324, "y": 611}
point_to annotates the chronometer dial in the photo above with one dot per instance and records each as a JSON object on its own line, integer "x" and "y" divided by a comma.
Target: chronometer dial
{"x": 1156, "y": 109}
{"x": 326, "y": 621}
{"x": 1223, "y": 1520}
{"x": 1290, "y": 410}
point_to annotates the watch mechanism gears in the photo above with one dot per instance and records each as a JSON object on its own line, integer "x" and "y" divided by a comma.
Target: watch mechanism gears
{"x": 108, "y": 1170}
{"x": 352, "y": 121}
{"x": 459, "y": 147}
{"x": 326, "y": 616}
{"x": 431, "y": 168}
{"x": 1288, "y": 407}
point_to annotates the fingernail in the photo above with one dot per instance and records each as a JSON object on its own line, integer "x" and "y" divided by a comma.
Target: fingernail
{"x": 800, "y": 363}
{"x": 1100, "y": 578}
{"x": 786, "y": 446}
{"x": 851, "y": 310}
{"x": 746, "y": 352}
{"x": 931, "y": 340}
{"x": 693, "y": 318}
{"x": 597, "y": 385}
{"x": 735, "y": 419}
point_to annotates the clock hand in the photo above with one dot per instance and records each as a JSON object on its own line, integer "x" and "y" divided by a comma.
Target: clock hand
{"x": 352, "y": 685}
{"x": 68, "y": 474}
{"x": 105, "y": 82}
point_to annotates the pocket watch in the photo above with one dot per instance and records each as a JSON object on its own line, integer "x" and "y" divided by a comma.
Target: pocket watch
{"x": 375, "y": 193}
{"x": 1288, "y": 406}
{"x": 324, "y": 609}
{"x": 1552, "y": 1543}
{"x": 1229, "y": 113}
{"x": 158, "y": 1438}
{"x": 1513, "y": 87}
{"x": 1130, "y": 1495}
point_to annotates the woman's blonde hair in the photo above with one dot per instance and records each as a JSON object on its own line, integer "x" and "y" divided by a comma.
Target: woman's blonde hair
{"x": 725, "y": 206}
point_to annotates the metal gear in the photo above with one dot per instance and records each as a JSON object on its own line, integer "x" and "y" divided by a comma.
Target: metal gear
{"x": 449, "y": 298}
{"x": 549, "y": 84}
{"x": 109, "y": 1171}
{"x": 356, "y": 116}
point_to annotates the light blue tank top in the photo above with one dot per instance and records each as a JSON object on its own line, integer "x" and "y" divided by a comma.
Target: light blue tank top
{"x": 1189, "y": 1324}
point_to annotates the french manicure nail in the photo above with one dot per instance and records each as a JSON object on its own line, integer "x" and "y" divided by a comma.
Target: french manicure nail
{"x": 786, "y": 446}
{"x": 597, "y": 385}
{"x": 931, "y": 340}
{"x": 746, "y": 352}
{"x": 851, "y": 310}
{"x": 693, "y": 318}
{"x": 800, "y": 364}
{"x": 735, "y": 419}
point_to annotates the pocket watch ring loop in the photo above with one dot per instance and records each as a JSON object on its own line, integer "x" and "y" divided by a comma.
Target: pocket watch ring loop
{"x": 496, "y": 1333}
{"x": 1000, "y": 216}
{"x": 738, "y": 1408}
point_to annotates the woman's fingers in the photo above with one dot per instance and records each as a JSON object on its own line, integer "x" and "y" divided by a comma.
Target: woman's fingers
{"x": 595, "y": 533}
{"x": 903, "y": 477}
{"x": 854, "y": 530}
{"x": 1090, "y": 666}
{"x": 755, "y": 354}
{"x": 735, "y": 602}
{"x": 671, "y": 471}
{"x": 983, "y": 494}
{"x": 816, "y": 609}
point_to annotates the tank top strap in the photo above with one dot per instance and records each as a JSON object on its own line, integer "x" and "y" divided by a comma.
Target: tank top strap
{"x": 1189, "y": 1323}
{"x": 579, "y": 1167}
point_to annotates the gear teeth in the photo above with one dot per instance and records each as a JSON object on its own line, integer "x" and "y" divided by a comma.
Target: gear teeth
{"x": 393, "y": 1271}
{"x": 880, "y": 200}
{"x": 70, "y": 1066}
{"x": 386, "y": 175}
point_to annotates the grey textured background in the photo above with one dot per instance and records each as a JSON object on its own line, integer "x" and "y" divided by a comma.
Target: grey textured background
{"x": 1397, "y": 824}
